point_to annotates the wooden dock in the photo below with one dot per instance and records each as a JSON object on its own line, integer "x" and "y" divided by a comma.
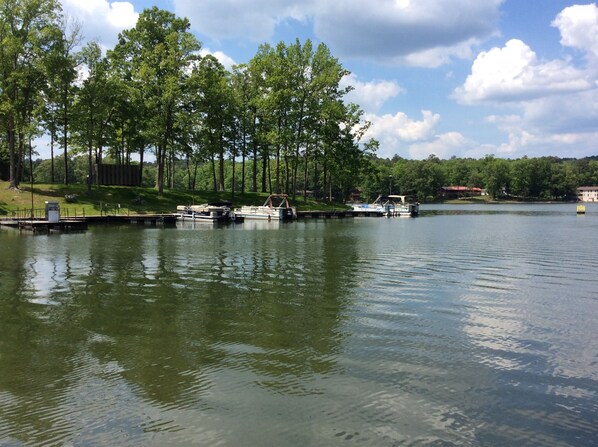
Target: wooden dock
{"x": 340, "y": 214}
{"x": 139, "y": 219}
{"x": 81, "y": 223}
{"x": 44, "y": 226}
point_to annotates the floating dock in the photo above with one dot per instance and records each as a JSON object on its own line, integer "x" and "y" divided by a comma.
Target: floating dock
{"x": 45, "y": 226}
{"x": 81, "y": 223}
{"x": 139, "y": 219}
{"x": 336, "y": 214}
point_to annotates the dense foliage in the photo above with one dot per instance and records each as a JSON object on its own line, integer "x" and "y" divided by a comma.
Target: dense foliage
{"x": 544, "y": 178}
{"x": 280, "y": 119}
{"x": 279, "y": 123}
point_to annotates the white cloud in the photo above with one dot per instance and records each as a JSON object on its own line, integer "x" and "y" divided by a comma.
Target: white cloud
{"x": 424, "y": 33}
{"x": 578, "y": 26}
{"x": 406, "y": 31}
{"x": 227, "y": 61}
{"x": 443, "y": 146}
{"x": 438, "y": 56}
{"x": 555, "y": 102}
{"x": 256, "y": 20}
{"x": 559, "y": 124}
{"x": 514, "y": 73}
{"x": 370, "y": 96}
{"x": 101, "y": 20}
{"x": 396, "y": 132}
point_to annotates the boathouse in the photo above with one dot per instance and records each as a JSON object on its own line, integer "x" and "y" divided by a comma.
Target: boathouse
{"x": 587, "y": 193}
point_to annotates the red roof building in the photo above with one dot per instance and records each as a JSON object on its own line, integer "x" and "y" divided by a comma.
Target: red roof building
{"x": 455, "y": 192}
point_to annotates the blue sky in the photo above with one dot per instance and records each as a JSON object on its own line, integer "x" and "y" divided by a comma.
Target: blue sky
{"x": 461, "y": 78}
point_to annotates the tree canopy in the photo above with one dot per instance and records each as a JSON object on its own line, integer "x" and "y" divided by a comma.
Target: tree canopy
{"x": 278, "y": 123}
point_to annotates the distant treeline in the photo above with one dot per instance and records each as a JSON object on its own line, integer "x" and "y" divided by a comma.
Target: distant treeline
{"x": 544, "y": 178}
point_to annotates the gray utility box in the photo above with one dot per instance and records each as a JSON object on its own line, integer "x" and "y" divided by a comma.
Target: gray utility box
{"x": 52, "y": 212}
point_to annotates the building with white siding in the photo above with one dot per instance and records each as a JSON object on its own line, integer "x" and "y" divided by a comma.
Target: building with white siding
{"x": 587, "y": 193}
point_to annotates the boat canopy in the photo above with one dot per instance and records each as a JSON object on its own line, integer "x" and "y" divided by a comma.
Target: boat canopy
{"x": 283, "y": 203}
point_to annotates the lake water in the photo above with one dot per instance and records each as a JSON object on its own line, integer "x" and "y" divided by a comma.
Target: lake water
{"x": 470, "y": 325}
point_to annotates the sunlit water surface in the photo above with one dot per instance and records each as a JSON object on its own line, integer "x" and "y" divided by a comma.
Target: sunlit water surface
{"x": 466, "y": 326}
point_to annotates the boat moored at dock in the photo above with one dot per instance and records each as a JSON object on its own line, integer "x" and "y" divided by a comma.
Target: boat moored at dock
{"x": 208, "y": 212}
{"x": 276, "y": 207}
{"x": 390, "y": 205}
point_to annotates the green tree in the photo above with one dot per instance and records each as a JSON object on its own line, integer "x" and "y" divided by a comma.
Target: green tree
{"x": 497, "y": 176}
{"x": 27, "y": 35}
{"x": 422, "y": 178}
{"x": 215, "y": 109}
{"x": 563, "y": 181}
{"x": 159, "y": 52}
{"x": 93, "y": 105}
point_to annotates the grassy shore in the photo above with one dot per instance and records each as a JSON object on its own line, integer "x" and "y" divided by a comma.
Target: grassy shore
{"x": 123, "y": 200}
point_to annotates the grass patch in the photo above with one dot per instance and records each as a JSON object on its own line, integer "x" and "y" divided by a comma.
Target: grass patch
{"x": 124, "y": 200}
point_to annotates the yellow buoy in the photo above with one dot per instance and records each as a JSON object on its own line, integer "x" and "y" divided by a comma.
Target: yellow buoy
{"x": 581, "y": 209}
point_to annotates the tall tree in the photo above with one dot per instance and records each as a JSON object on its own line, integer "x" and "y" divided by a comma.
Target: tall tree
{"x": 26, "y": 37}
{"x": 242, "y": 98}
{"x": 94, "y": 106}
{"x": 497, "y": 176}
{"x": 160, "y": 51}
{"x": 215, "y": 108}
{"x": 61, "y": 72}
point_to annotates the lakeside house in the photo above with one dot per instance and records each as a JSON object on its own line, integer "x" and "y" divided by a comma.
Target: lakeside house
{"x": 456, "y": 192}
{"x": 587, "y": 193}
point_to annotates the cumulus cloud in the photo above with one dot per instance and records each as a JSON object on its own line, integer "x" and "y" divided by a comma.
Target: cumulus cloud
{"x": 555, "y": 101}
{"x": 514, "y": 73}
{"x": 578, "y": 26}
{"x": 559, "y": 124}
{"x": 438, "y": 56}
{"x": 372, "y": 95}
{"x": 227, "y": 61}
{"x": 443, "y": 146}
{"x": 256, "y": 21}
{"x": 402, "y": 31}
{"x": 396, "y": 132}
{"x": 424, "y": 32}
{"x": 101, "y": 20}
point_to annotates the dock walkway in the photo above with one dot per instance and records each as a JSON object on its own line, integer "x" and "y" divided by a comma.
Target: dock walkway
{"x": 81, "y": 223}
{"x": 336, "y": 214}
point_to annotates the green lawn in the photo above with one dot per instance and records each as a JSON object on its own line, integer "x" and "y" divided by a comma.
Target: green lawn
{"x": 124, "y": 200}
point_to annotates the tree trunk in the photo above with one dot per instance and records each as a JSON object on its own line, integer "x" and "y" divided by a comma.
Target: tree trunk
{"x": 297, "y": 147}
{"x": 287, "y": 173}
{"x": 243, "y": 163}
{"x": 305, "y": 174}
{"x": 277, "y": 182}
{"x": 65, "y": 136}
{"x": 233, "y": 153}
{"x": 255, "y": 159}
{"x": 269, "y": 176}
{"x": 221, "y": 163}
{"x": 52, "y": 139}
{"x": 141, "y": 152}
{"x": 160, "y": 175}
{"x": 215, "y": 182}
{"x": 196, "y": 162}
{"x": 188, "y": 165}
{"x": 90, "y": 154}
{"x": 12, "y": 151}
